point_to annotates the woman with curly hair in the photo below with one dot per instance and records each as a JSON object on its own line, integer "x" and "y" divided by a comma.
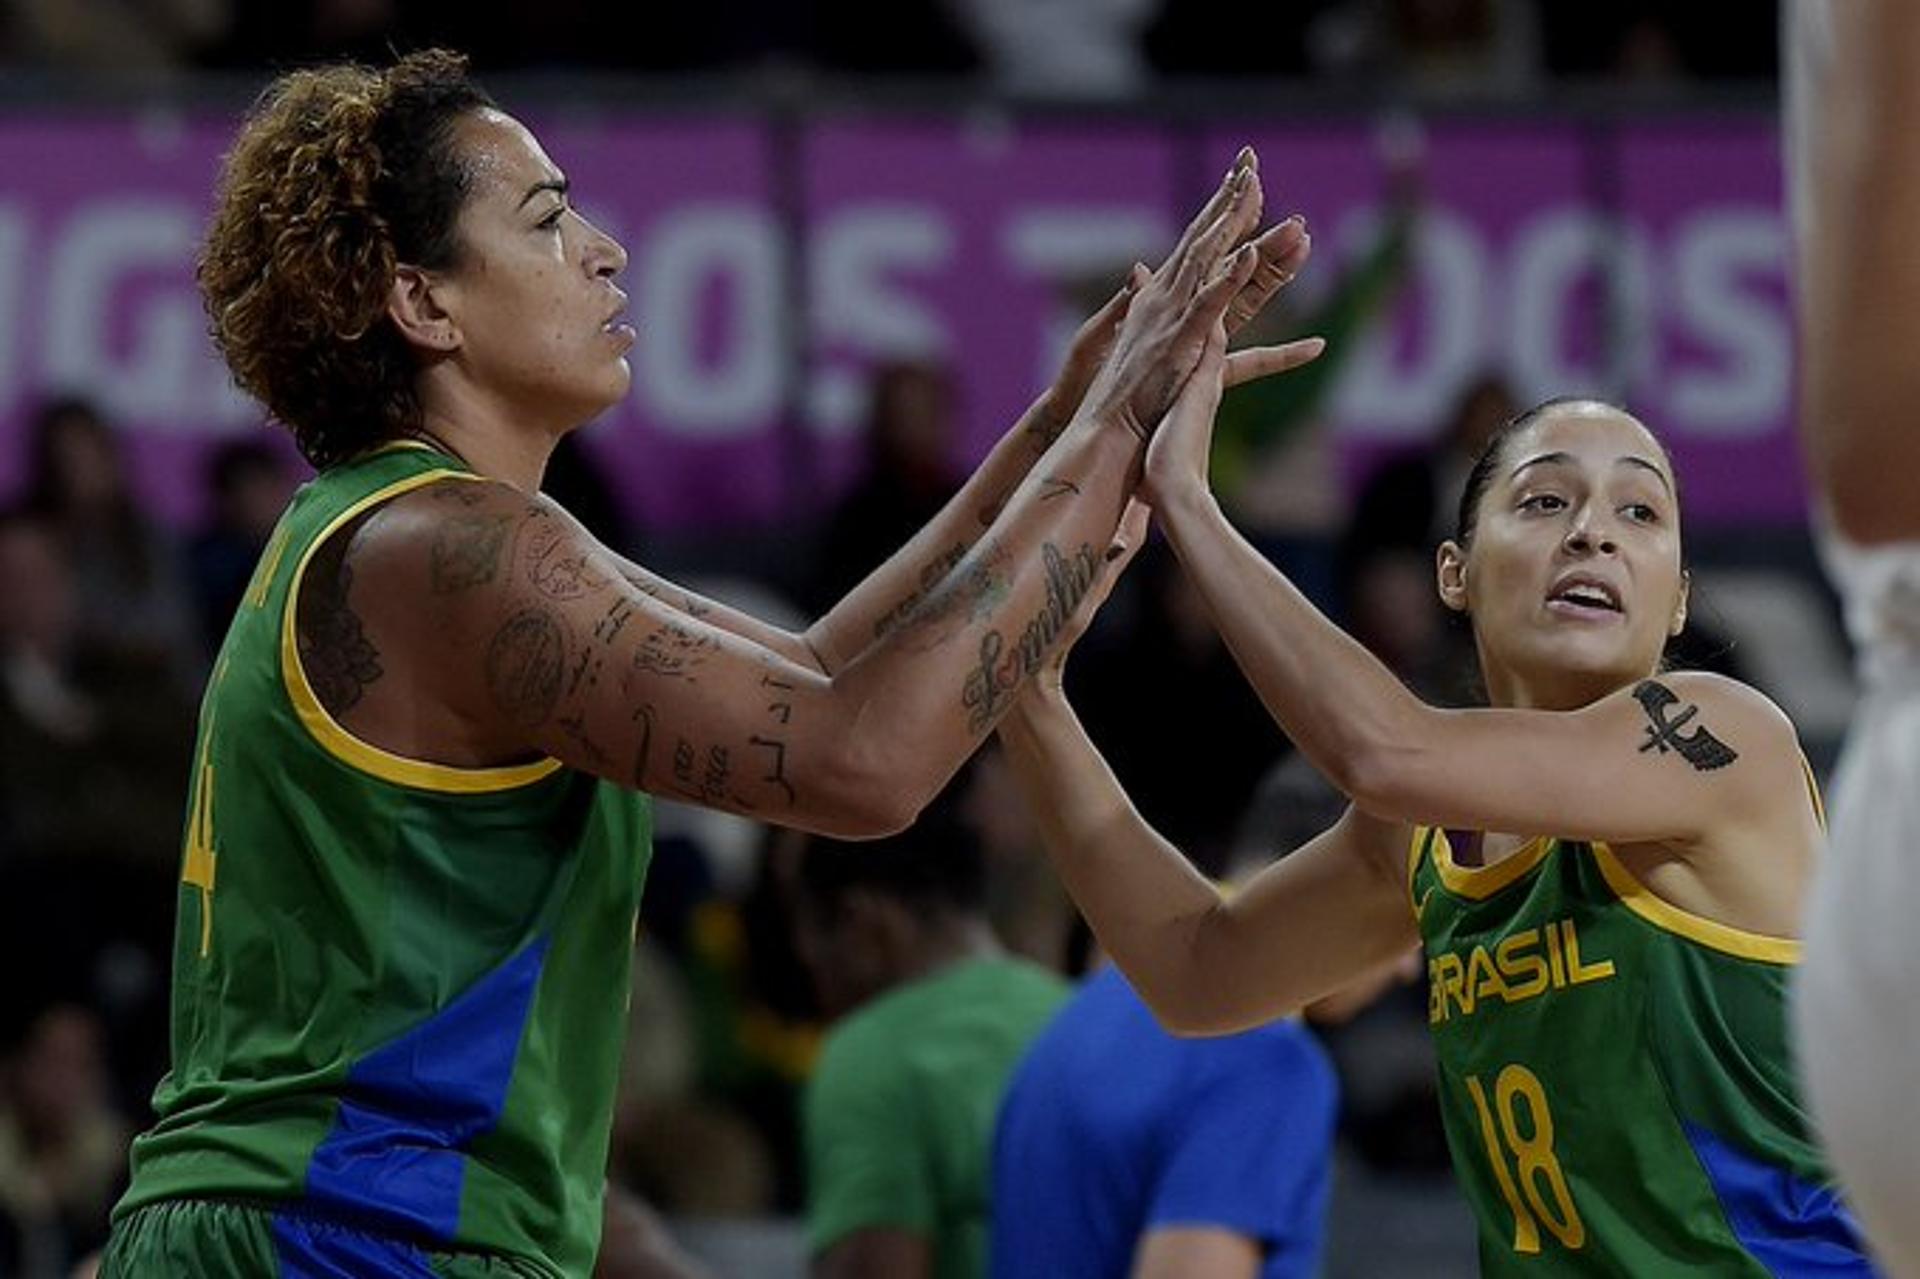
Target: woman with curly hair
{"x": 419, "y": 816}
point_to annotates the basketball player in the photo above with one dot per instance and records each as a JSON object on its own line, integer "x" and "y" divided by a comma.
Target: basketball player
{"x": 418, "y": 828}
{"x": 1854, "y": 94}
{"x": 1606, "y": 867}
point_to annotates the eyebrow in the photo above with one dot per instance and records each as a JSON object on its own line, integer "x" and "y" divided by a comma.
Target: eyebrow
{"x": 1561, "y": 458}
{"x": 559, "y": 186}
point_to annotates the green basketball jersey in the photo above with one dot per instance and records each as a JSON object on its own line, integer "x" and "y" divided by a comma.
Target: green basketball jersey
{"x": 1614, "y": 1075}
{"x": 400, "y": 988}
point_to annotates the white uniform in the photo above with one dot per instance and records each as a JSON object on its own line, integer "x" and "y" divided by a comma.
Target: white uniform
{"x": 1857, "y": 1003}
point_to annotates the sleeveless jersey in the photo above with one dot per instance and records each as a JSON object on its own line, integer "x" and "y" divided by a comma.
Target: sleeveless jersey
{"x": 1615, "y": 1077}
{"x": 399, "y": 988}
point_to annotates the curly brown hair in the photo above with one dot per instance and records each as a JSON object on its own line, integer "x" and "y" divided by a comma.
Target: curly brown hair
{"x": 339, "y": 175}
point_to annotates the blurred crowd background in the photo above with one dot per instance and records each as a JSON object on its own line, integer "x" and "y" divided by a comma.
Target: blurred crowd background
{"x": 821, "y": 410}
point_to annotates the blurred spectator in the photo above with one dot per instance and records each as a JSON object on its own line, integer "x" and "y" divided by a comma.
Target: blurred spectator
{"x": 248, "y": 483}
{"x": 117, "y": 36}
{"x": 1434, "y": 46}
{"x": 635, "y": 1244}
{"x": 1027, "y": 905}
{"x": 910, "y": 473}
{"x": 1173, "y": 714}
{"x": 1122, "y": 1149}
{"x": 1644, "y": 40}
{"x": 63, "y": 1150}
{"x": 1061, "y": 48}
{"x": 898, "y": 1118}
{"x": 1405, "y": 509}
{"x": 128, "y": 587}
{"x": 93, "y": 749}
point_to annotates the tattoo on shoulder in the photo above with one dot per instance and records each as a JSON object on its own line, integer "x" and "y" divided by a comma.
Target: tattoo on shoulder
{"x": 339, "y": 659}
{"x": 466, "y": 551}
{"x": 1699, "y": 748}
{"x": 558, "y": 564}
{"x": 525, "y": 663}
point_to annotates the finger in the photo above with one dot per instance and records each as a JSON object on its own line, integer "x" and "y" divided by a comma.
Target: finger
{"x": 1209, "y": 305}
{"x": 1283, "y": 251}
{"x": 1264, "y": 361}
{"x": 1216, "y": 204}
{"x": 1235, "y": 223}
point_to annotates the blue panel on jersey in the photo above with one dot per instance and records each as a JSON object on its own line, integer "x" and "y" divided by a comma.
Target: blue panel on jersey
{"x": 395, "y": 1158}
{"x": 1792, "y": 1227}
{"x": 321, "y": 1250}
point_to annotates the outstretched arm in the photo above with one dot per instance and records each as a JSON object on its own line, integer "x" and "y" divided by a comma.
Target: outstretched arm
{"x": 529, "y": 637}
{"x": 1668, "y": 760}
{"x": 1207, "y": 963}
{"x": 1854, "y": 97}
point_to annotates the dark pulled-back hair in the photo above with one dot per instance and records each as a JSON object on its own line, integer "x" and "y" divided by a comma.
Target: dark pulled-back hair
{"x": 339, "y": 175}
{"x": 1467, "y": 518}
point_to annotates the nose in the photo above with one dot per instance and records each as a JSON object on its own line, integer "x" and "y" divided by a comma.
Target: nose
{"x": 1584, "y": 537}
{"x": 605, "y": 257}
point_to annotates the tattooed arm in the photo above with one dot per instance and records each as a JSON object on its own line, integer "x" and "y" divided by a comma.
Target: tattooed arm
{"x": 893, "y": 591}
{"x": 511, "y": 631}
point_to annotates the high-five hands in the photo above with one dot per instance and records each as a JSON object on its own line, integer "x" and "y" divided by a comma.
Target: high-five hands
{"x": 1133, "y": 356}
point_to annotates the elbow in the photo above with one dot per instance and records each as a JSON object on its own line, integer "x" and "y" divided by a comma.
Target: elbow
{"x": 859, "y": 797}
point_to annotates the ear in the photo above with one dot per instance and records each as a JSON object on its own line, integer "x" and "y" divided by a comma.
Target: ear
{"x": 1679, "y": 622}
{"x": 415, "y": 309}
{"x": 1450, "y": 570}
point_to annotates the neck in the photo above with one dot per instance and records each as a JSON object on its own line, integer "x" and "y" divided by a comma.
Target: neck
{"x": 1560, "y": 691}
{"x": 486, "y": 437}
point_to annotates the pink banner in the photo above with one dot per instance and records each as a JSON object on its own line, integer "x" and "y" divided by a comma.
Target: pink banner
{"x": 770, "y": 271}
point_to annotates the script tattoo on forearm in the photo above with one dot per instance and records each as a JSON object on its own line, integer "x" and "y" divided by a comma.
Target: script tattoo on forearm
{"x": 1053, "y": 486}
{"x": 992, "y": 683}
{"x": 932, "y": 574}
{"x": 466, "y": 552}
{"x": 525, "y": 663}
{"x": 643, "y": 749}
{"x": 1699, "y": 748}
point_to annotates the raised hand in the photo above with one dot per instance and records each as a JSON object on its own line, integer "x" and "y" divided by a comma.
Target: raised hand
{"x": 1177, "y": 457}
{"x": 1160, "y": 339}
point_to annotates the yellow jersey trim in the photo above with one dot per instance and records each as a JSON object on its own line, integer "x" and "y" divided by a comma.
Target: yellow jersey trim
{"x": 1667, "y": 917}
{"x": 328, "y": 732}
{"x": 1481, "y": 882}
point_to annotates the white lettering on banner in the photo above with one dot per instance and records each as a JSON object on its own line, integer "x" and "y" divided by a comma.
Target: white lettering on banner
{"x": 1066, "y": 244}
{"x": 13, "y": 262}
{"x": 1698, "y": 283}
{"x": 1716, "y": 252}
{"x": 169, "y": 378}
{"x": 855, "y": 259}
{"x": 689, "y": 251}
{"x": 1552, "y": 257}
{"x": 1450, "y": 272}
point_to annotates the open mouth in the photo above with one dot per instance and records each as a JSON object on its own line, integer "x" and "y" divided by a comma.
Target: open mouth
{"x": 1585, "y": 596}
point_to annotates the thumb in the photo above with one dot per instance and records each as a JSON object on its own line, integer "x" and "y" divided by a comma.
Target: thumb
{"x": 1130, "y": 534}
